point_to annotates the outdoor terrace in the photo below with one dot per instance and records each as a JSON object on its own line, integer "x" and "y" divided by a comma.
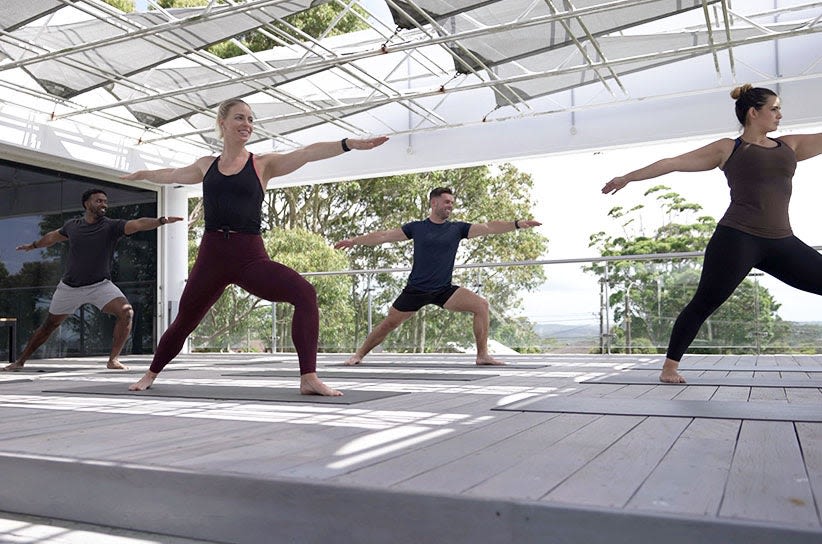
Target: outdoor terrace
{"x": 422, "y": 448}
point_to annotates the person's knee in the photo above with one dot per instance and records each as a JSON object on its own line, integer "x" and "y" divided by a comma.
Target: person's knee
{"x": 126, "y": 313}
{"x": 481, "y": 307}
{"x": 304, "y": 293}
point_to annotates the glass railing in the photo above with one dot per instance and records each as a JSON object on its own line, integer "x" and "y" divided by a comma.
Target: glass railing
{"x": 620, "y": 304}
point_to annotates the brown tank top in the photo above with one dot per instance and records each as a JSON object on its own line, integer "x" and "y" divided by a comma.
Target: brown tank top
{"x": 760, "y": 181}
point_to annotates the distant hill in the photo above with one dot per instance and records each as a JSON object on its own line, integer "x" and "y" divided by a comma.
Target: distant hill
{"x": 560, "y": 330}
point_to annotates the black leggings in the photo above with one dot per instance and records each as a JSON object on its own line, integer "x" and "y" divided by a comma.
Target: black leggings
{"x": 729, "y": 257}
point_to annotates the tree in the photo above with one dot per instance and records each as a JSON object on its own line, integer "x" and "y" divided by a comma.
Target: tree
{"x": 482, "y": 194}
{"x": 646, "y": 296}
{"x": 323, "y": 20}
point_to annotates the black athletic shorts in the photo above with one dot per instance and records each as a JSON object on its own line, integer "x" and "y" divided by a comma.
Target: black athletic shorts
{"x": 411, "y": 300}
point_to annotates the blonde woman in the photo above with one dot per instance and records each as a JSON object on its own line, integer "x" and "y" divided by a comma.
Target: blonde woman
{"x": 232, "y": 250}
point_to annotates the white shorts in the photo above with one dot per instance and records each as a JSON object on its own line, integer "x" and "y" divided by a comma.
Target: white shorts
{"x": 67, "y": 299}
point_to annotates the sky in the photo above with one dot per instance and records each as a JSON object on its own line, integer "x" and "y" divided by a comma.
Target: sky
{"x": 571, "y": 206}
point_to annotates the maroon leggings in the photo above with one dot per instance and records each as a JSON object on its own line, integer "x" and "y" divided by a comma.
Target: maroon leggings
{"x": 241, "y": 259}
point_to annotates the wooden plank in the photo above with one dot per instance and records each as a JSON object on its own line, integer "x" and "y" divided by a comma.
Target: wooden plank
{"x": 636, "y": 453}
{"x": 540, "y": 472}
{"x": 810, "y": 439}
{"x": 690, "y": 478}
{"x": 469, "y": 471}
{"x": 768, "y": 480}
{"x": 395, "y": 467}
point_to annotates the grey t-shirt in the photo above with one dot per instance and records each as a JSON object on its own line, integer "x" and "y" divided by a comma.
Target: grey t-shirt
{"x": 91, "y": 249}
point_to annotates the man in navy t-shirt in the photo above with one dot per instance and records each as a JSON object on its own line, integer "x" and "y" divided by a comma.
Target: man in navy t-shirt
{"x": 87, "y": 279}
{"x": 436, "y": 241}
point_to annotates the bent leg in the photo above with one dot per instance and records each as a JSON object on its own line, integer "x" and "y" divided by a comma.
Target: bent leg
{"x": 464, "y": 300}
{"x": 394, "y": 319}
{"x": 39, "y": 338}
{"x": 276, "y": 282}
{"x": 122, "y": 310}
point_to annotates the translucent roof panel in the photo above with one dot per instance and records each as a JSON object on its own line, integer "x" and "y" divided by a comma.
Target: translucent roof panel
{"x": 81, "y": 75}
{"x": 70, "y": 58}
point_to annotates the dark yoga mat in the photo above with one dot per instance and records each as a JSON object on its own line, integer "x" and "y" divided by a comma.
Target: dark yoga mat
{"x": 708, "y": 409}
{"x": 728, "y": 381}
{"x": 225, "y": 392}
{"x": 359, "y": 375}
{"x": 730, "y": 368}
{"x": 434, "y": 366}
{"x": 50, "y": 370}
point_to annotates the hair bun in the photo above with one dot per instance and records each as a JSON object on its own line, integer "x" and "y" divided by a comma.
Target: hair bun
{"x": 739, "y": 91}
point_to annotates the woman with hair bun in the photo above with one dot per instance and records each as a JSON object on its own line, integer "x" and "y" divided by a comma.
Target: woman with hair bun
{"x": 755, "y": 231}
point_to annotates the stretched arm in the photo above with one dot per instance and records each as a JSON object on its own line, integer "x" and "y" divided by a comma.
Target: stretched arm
{"x": 498, "y": 227}
{"x": 187, "y": 175}
{"x": 148, "y": 223}
{"x": 280, "y": 164}
{"x": 804, "y": 145}
{"x": 373, "y": 239}
{"x": 49, "y": 239}
{"x": 705, "y": 158}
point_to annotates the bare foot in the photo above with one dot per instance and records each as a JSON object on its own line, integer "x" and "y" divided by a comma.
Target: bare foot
{"x": 145, "y": 382}
{"x": 353, "y": 360}
{"x": 114, "y": 364}
{"x": 13, "y": 367}
{"x": 310, "y": 384}
{"x": 489, "y": 361}
{"x": 669, "y": 373}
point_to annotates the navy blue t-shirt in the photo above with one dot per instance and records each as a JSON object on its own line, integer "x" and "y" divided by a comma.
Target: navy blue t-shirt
{"x": 435, "y": 248}
{"x": 91, "y": 248}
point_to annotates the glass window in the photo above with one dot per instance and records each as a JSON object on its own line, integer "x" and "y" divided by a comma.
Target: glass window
{"x": 34, "y": 201}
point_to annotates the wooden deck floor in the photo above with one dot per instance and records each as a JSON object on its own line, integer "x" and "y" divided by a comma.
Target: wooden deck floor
{"x": 439, "y": 439}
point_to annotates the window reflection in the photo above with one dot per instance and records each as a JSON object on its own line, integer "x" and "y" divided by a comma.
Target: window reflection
{"x": 34, "y": 201}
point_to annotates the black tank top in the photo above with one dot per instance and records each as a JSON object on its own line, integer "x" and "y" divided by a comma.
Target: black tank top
{"x": 233, "y": 202}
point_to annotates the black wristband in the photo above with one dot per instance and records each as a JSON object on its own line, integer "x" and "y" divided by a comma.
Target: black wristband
{"x": 162, "y": 219}
{"x": 344, "y": 143}
{"x": 34, "y": 244}
{"x": 516, "y": 224}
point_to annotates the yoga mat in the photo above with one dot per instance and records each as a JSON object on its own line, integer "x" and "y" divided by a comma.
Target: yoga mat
{"x": 359, "y": 375}
{"x": 225, "y": 392}
{"x": 49, "y": 370}
{"x": 708, "y": 409}
{"x": 729, "y": 381}
{"x": 740, "y": 368}
{"x": 456, "y": 366}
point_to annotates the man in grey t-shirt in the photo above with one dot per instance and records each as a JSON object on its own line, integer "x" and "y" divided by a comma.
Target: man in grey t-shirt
{"x": 87, "y": 278}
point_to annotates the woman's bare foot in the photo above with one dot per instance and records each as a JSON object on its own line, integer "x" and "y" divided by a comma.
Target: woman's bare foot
{"x": 310, "y": 384}
{"x": 114, "y": 364}
{"x": 145, "y": 382}
{"x": 353, "y": 360}
{"x": 488, "y": 360}
{"x": 669, "y": 373}
{"x": 13, "y": 367}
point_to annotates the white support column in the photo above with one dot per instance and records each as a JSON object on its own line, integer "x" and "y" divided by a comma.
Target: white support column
{"x": 172, "y": 253}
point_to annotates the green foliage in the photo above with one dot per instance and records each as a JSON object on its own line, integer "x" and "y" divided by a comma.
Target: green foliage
{"x": 303, "y": 223}
{"x": 309, "y": 252}
{"x": 323, "y": 20}
{"x": 482, "y": 194}
{"x": 126, "y": 6}
{"x": 646, "y": 296}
